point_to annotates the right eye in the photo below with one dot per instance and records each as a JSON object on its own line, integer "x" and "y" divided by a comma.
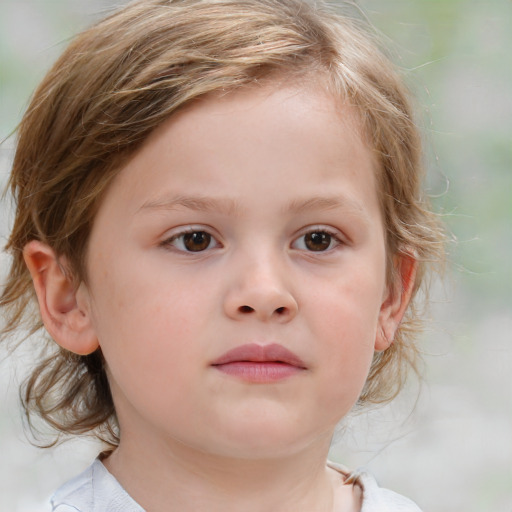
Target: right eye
{"x": 192, "y": 241}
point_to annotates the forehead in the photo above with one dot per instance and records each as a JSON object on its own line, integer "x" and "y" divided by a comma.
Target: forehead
{"x": 273, "y": 134}
{"x": 305, "y": 111}
{"x": 256, "y": 103}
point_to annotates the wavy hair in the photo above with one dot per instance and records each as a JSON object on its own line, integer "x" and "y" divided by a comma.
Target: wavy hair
{"x": 122, "y": 78}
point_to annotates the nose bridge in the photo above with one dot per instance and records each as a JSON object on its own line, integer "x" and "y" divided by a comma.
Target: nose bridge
{"x": 260, "y": 286}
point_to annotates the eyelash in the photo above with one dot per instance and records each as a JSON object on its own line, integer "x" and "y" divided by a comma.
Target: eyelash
{"x": 181, "y": 236}
{"x": 171, "y": 242}
{"x": 334, "y": 239}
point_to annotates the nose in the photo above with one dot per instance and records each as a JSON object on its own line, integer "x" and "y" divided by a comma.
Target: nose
{"x": 258, "y": 290}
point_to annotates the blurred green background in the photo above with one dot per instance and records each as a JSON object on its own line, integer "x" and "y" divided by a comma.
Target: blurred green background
{"x": 454, "y": 453}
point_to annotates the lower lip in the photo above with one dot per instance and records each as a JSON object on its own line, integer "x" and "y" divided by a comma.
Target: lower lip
{"x": 259, "y": 372}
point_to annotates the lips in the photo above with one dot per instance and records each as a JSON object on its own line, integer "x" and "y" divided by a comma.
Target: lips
{"x": 260, "y": 363}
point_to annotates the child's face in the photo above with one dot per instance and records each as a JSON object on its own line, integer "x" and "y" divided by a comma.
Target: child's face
{"x": 249, "y": 219}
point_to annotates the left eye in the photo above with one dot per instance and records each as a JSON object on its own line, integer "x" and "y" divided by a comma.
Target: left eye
{"x": 316, "y": 241}
{"x": 192, "y": 241}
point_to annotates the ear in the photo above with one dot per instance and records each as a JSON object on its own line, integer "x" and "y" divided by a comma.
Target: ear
{"x": 396, "y": 300}
{"x": 67, "y": 322}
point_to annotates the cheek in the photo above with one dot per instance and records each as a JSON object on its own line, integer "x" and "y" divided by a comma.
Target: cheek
{"x": 348, "y": 307}
{"x": 346, "y": 318}
{"x": 143, "y": 324}
{"x": 152, "y": 351}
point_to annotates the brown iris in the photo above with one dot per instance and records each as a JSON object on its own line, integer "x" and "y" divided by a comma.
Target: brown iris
{"x": 197, "y": 241}
{"x": 317, "y": 241}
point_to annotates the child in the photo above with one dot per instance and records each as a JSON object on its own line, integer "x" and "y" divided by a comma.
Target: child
{"x": 219, "y": 212}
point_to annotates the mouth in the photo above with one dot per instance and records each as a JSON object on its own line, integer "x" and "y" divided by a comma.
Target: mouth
{"x": 260, "y": 363}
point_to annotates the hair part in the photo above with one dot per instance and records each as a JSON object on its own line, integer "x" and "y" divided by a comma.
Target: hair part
{"x": 121, "y": 79}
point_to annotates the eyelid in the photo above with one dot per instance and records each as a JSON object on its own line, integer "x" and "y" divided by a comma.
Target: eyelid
{"x": 176, "y": 233}
{"x": 336, "y": 234}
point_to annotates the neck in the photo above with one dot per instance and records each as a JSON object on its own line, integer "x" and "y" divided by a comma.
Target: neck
{"x": 176, "y": 477}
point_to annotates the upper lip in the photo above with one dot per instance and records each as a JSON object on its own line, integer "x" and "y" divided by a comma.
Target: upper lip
{"x": 253, "y": 352}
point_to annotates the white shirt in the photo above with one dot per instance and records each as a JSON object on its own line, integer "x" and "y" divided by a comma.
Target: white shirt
{"x": 96, "y": 490}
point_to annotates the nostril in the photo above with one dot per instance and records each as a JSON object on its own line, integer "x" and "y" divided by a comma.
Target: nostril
{"x": 246, "y": 309}
{"x": 281, "y": 310}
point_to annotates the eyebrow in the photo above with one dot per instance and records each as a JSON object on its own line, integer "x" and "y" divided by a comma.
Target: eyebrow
{"x": 198, "y": 203}
{"x": 325, "y": 203}
{"x": 228, "y": 206}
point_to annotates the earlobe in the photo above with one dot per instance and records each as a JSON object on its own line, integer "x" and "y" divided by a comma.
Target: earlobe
{"x": 396, "y": 301}
{"x": 67, "y": 322}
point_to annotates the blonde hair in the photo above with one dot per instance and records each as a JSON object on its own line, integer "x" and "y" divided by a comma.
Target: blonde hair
{"x": 122, "y": 78}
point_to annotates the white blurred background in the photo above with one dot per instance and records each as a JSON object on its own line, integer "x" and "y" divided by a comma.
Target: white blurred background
{"x": 453, "y": 453}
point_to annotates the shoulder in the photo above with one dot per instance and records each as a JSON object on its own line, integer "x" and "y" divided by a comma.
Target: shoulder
{"x": 375, "y": 498}
{"x": 76, "y": 494}
{"x": 94, "y": 490}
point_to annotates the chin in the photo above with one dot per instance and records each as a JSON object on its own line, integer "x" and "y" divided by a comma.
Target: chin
{"x": 267, "y": 439}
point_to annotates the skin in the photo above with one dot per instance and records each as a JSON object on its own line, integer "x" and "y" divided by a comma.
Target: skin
{"x": 252, "y": 173}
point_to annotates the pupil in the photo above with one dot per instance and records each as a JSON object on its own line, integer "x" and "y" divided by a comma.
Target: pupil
{"x": 197, "y": 241}
{"x": 318, "y": 241}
